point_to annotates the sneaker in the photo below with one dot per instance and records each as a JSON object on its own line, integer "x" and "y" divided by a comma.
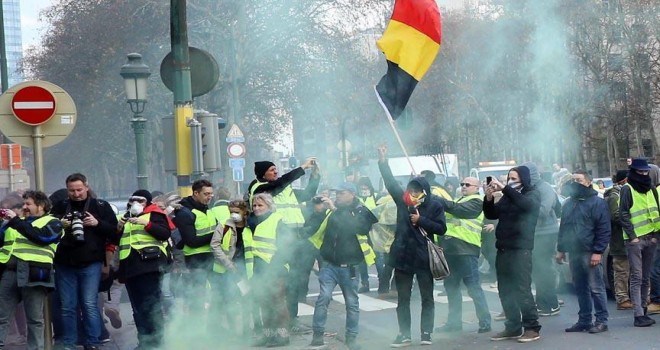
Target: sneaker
{"x": 364, "y": 289}
{"x": 653, "y": 308}
{"x": 426, "y": 339}
{"x": 529, "y": 336}
{"x": 551, "y": 312}
{"x": 643, "y": 321}
{"x": 500, "y": 317}
{"x": 506, "y": 334}
{"x": 401, "y": 341}
{"x": 578, "y": 328}
{"x": 317, "y": 342}
{"x": 626, "y": 305}
{"x": 598, "y": 328}
{"x": 351, "y": 343}
{"x": 113, "y": 316}
{"x": 484, "y": 329}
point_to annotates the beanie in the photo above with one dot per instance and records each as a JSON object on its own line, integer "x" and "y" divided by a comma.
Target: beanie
{"x": 620, "y": 175}
{"x": 260, "y": 168}
{"x": 143, "y": 193}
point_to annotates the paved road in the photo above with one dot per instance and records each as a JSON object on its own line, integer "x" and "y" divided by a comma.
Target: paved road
{"x": 378, "y": 327}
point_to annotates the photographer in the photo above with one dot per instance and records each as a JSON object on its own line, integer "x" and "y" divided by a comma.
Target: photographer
{"x": 27, "y": 256}
{"x": 144, "y": 232}
{"x": 88, "y": 224}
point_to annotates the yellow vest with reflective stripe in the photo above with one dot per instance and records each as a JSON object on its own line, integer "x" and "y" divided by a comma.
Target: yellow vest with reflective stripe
{"x": 221, "y": 213}
{"x": 369, "y": 202}
{"x": 644, "y": 214}
{"x": 317, "y": 240}
{"x": 204, "y": 225}
{"x": 287, "y": 205}
{"x": 467, "y": 230}
{"x": 225, "y": 245}
{"x": 440, "y": 192}
{"x": 25, "y": 250}
{"x": 136, "y": 237}
{"x": 262, "y": 242}
{"x": 249, "y": 252}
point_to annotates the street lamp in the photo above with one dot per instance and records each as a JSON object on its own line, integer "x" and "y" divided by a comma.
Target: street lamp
{"x": 136, "y": 76}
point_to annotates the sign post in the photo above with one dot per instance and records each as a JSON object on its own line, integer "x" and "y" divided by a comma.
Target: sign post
{"x": 236, "y": 151}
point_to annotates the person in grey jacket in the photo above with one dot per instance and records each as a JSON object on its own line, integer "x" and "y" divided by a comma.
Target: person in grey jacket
{"x": 544, "y": 274}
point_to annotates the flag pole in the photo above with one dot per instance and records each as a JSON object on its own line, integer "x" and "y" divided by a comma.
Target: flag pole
{"x": 396, "y": 133}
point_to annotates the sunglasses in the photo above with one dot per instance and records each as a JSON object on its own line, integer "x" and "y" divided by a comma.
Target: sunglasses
{"x": 463, "y": 184}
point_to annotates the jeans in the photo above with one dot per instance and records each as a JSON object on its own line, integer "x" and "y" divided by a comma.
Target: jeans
{"x": 329, "y": 277}
{"x": 640, "y": 258}
{"x": 145, "y": 295}
{"x": 544, "y": 273}
{"x": 465, "y": 268}
{"x": 404, "y": 283}
{"x": 79, "y": 285}
{"x": 33, "y": 302}
{"x": 655, "y": 278}
{"x": 589, "y": 288}
{"x": 514, "y": 281}
{"x": 621, "y": 271}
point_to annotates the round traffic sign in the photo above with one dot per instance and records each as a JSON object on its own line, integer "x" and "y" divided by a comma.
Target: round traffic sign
{"x": 33, "y": 105}
{"x": 236, "y": 150}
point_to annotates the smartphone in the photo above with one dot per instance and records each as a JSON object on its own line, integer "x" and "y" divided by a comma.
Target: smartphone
{"x": 489, "y": 179}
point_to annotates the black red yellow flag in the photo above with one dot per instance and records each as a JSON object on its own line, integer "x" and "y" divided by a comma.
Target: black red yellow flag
{"x": 410, "y": 43}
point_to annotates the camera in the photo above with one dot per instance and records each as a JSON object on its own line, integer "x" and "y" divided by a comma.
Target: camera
{"x": 317, "y": 200}
{"x": 76, "y": 229}
{"x": 3, "y": 212}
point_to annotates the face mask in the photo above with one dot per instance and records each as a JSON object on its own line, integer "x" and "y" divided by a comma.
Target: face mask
{"x": 136, "y": 209}
{"x": 365, "y": 193}
{"x": 236, "y": 217}
{"x": 514, "y": 184}
{"x": 411, "y": 200}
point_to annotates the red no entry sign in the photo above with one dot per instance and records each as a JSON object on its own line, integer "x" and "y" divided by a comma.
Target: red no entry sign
{"x": 33, "y": 105}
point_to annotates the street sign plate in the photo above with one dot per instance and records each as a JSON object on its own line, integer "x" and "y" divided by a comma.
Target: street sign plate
{"x": 236, "y": 150}
{"x": 235, "y": 139}
{"x": 235, "y": 131}
{"x": 33, "y": 105}
{"x": 237, "y": 174}
{"x": 237, "y": 163}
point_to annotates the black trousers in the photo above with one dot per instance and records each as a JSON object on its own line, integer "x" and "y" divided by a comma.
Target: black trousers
{"x": 145, "y": 296}
{"x": 404, "y": 283}
{"x": 298, "y": 278}
{"x": 514, "y": 281}
{"x": 544, "y": 273}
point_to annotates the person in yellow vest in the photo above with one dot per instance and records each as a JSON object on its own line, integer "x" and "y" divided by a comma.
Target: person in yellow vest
{"x": 221, "y": 205}
{"x": 289, "y": 204}
{"x": 143, "y": 236}
{"x": 462, "y": 244}
{"x": 640, "y": 219}
{"x": 341, "y": 254}
{"x": 367, "y": 196}
{"x": 436, "y": 188}
{"x": 26, "y": 257}
{"x": 228, "y": 246}
{"x": 196, "y": 224}
{"x": 268, "y": 252}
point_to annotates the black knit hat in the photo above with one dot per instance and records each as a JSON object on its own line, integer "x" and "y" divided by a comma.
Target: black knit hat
{"x": 620, "y": 176}
{"x": 260, "y": 168}
{"x": 143, "y": 193}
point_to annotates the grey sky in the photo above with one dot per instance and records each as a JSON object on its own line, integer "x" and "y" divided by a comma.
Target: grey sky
{"x": 31, "y": 28}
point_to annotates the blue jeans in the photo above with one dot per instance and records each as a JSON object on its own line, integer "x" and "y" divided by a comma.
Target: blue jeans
{"x": 655, "y": 277}
{"x": 79, "y": 285}
{"x": 465, "y": 268}
{"x": 589, "y": 287}
{"x": 329, "y": 277}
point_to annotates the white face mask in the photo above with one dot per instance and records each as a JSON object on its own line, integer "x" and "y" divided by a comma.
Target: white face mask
{"x": 514, "y": 184}
{"x": 136, "y": 209}
{"x": 236, "y": 217}
{"x": 365, "y": 193}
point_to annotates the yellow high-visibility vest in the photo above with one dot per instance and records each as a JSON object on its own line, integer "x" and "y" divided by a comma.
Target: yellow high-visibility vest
{"x": 136, "y": 237}
{"x": 22, "y": 248}
{"x": 467, "y": 230}
{"x": 644, "y": 214}
{"x": 205, "y": 224}
{"x": 317, "y": 240}
{"x": 286, "y": 203}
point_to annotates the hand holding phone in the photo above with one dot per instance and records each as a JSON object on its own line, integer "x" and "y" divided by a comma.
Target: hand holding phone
{"x": 489, "y": 179}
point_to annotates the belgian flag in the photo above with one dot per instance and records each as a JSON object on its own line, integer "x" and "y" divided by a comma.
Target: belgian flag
{"x": 410, "y": 43}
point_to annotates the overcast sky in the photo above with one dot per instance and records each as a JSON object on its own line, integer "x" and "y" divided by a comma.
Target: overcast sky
{"x": 31, "y": 28}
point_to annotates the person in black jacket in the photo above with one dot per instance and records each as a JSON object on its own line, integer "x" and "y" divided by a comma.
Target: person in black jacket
{"x": 417, "y": 212}
{"x": 79, "y": 259}
{"x": 341, "y": 256}
{"x": 142, "y": 237}
{"x": 518, "y": 212}
{"x": 585, "y": 233}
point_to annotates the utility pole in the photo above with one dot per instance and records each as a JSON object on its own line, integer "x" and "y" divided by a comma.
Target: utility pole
{"x": 183, "y": 103}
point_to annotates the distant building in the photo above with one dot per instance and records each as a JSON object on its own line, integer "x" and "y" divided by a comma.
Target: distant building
{"x": 13, "y": 40}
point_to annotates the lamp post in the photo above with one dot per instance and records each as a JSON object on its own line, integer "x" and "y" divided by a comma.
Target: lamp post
{"x": 136, "y": 75}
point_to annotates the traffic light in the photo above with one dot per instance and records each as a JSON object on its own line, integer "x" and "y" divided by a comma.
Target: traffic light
{"x": 211, "y": 125}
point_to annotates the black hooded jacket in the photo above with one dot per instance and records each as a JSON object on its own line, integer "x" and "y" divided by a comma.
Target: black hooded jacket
{"x": 409, "y": 251}
{"x": 517, "y": 213}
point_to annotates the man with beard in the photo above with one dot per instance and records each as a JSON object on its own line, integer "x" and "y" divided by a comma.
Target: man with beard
{"x": 640, "y": 220}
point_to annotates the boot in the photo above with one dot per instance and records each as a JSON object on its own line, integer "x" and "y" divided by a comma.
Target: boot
{"x": 264, "y": 339}
{"x": 351, "y": 343}
{"x": 279, "y": 338}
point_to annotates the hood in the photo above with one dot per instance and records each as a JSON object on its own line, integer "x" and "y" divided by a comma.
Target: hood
{"x": 524, "y": 174}
{"x": 421, "y": 181}
{"x": 534, "y": 175}
{"x": 654, "y": 174}
{"x": 190, "y": 203}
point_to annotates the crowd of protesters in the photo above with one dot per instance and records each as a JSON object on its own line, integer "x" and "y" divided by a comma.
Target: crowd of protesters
{"x": 247, "y": 262}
